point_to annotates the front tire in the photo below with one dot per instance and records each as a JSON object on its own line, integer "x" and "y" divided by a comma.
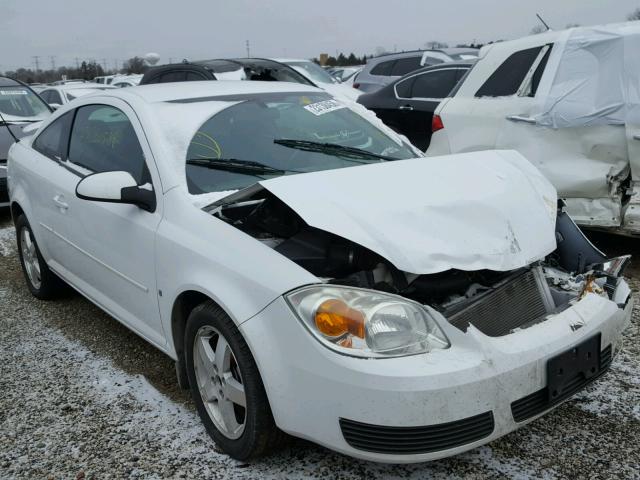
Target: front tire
{"x": 226, "y": 385}
{"x": 41, "y": 281}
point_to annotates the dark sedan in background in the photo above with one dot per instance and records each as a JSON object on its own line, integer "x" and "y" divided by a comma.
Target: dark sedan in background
{"x": 407, "y": 104}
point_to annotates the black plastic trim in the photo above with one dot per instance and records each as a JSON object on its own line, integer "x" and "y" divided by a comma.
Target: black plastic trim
{"x": 417, "y": 440}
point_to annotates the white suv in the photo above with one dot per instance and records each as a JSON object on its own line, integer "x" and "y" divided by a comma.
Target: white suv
{"x": 568, "y": 102}
{"x": 311, "y": 273}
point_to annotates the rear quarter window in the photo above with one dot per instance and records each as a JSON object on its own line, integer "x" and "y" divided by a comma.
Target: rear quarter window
{"x": 405, "y": 65}
{"x": 383, "y": 68}
{"x": 508, "y": 77}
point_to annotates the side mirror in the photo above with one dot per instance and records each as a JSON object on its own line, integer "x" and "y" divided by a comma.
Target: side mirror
{"x": 55, "y": 106}
{"x": 116, "y": 187}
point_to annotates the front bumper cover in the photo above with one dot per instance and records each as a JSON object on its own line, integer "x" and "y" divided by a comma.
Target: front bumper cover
{"x": 312, "y": 389}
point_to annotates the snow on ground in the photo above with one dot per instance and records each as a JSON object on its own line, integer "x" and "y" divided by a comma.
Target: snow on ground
{"x": 81, "y": 395}
{"x": 7, "y": 241}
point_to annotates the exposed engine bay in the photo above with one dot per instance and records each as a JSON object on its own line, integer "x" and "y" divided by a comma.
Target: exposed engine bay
{"x": 495, "y": 302}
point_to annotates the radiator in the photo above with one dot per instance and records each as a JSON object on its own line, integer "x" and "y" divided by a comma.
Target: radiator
{"x": 520, "y": 300}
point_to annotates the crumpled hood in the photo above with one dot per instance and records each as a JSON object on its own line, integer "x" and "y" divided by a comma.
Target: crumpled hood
{"x": 481, "y": 210}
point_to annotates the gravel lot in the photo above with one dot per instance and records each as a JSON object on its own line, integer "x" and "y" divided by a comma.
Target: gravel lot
{"x": 82, "y": 397}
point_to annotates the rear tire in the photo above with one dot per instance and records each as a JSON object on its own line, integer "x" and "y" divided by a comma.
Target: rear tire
{"x": 222, "y": 371}
{"x": 41, "y": 281}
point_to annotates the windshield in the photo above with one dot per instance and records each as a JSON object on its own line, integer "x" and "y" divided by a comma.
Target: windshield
{"x": 20, "y": 103}
{"x": 312, "y": 71}
{"x": 265, "y": 136}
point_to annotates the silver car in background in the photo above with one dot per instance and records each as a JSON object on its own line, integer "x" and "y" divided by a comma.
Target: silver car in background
{"x": 384, "y": 69}
{"x": 19, "y": 106}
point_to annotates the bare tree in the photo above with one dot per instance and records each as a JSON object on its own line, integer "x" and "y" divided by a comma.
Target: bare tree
{"x": 135, "y": 65}
{"x": 635, "y": 15}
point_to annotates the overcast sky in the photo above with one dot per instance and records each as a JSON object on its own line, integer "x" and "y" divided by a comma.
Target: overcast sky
{"x": 196, "y": 29}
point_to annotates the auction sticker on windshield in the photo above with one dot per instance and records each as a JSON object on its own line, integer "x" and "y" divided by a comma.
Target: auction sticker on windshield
{"x": 326, "y": 106}
{"x": 13, "y": 92}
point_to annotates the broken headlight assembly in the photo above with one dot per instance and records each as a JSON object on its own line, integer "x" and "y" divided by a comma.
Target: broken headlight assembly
{"x": 366, "y": 323}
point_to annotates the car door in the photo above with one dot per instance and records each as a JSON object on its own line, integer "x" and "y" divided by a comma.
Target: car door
{"x": 42, "y": 172}
{"x": 108, "y": 249}
{"x": 418, "y": 96}
{"x": 496, "y": 95}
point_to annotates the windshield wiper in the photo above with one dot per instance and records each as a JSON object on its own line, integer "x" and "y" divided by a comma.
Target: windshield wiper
{"x": 235, "y": 165}
{"x": 13, "y": 121}
{"x": 331, "y": 148}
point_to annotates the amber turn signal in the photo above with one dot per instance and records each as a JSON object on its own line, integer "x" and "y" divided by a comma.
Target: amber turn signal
{"x": 335, "y": 318}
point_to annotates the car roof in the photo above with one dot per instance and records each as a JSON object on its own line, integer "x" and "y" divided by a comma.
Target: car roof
{"x": 81, "y": 86}
{"x": 439, "y": 66}
{"x": 457, "y": 50}
{"x": 290, "y": 60}
{"x": 166, "y": 92}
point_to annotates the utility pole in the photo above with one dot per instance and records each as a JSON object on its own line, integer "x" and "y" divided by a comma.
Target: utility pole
{"x": 104, "y": 64}
{"x": 36, "y": 60}
{"x": 53, "y": 62}
{"x": 77, "y": 63}
{"x": 248, "y": 49}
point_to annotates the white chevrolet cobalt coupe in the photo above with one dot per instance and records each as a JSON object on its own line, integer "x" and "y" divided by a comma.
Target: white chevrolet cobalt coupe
{"x": 311, "y": 273}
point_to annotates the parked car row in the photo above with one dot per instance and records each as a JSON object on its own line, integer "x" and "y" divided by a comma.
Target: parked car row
{"x": 306, "y": 258}
{"x": 56, "y": 96}
{"x": 303, "y": 72}
{"x": 405, "y": 285}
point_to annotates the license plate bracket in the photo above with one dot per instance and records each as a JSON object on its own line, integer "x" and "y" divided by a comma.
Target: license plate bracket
{"x": 573, "y": 367}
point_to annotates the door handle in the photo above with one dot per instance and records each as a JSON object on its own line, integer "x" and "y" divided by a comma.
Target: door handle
{"x": 636, "y": 137}
{"x": 519, "y": 118}
{"x": 405, "y": 107}
{"x": 60, "y": 203}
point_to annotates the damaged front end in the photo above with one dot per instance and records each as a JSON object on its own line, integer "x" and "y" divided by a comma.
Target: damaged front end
{"x": 496, "y": 303}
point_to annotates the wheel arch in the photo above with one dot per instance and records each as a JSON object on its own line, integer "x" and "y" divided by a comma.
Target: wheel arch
{"x": 16, "y": 211}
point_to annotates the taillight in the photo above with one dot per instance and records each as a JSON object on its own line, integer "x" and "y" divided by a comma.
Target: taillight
{"x": 436, "y": 123}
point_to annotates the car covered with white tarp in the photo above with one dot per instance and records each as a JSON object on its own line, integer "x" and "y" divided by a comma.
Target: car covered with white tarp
{"x": 569, "y": 102}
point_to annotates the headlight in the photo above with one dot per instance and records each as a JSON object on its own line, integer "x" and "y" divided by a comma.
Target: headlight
{"x": 366, "y": 323}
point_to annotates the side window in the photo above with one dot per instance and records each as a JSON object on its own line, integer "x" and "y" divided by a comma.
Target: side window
{"x": 45, "y": 95}
{"x": 54, "y": 97}
{"x": 405, "y": 65}
{"x": 103, "y": 140}
{"x": 52, "y": 142}
{"x": 403, "y": 88}
{"x": 436, "y": 84}
{"x": 508, "y": 77}
{"x": 172, "y": 77}
{"x": 537, "y": 75}
{"x": 383, "y": 68}
{"x": 194, "y": 77}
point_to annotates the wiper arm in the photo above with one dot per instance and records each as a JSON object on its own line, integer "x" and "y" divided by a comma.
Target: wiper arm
{"x": 335, "y": 148}
{"x": 18, "y": 122}
{"x": 235, "y": 165}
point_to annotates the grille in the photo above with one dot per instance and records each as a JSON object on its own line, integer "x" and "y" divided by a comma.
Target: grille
{"x": 521, "y": 300}
{"x": 539, "y": 401}
{"x": 414, "y": 440}
{"x": 4, "y": 194}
